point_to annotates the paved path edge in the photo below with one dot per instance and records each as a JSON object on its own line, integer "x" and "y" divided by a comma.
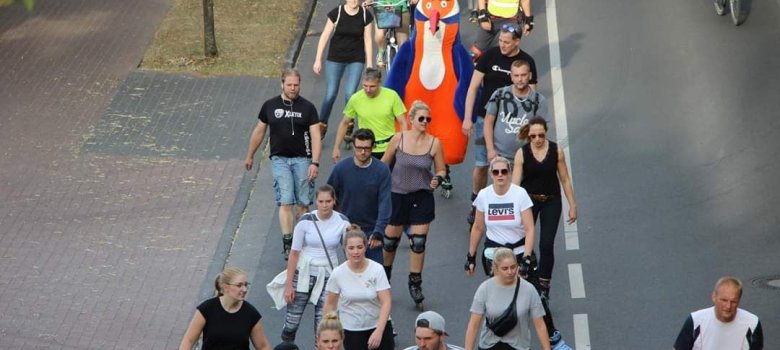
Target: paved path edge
{"x": 237, "y": 209}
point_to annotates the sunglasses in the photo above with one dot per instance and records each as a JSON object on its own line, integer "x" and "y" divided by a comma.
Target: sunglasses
{"x": 534, "y": 136}
{"x": 424, "y": 119}
{"x": 495, "y": 172}
{"x": 511, "y": 29}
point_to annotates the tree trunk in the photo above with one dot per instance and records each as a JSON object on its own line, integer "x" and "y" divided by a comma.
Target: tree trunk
{"x": 209, "y": 38}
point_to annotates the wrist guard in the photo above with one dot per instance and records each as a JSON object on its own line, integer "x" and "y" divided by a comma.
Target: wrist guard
{"x": 482, "y": 16}
{"x": 470, "y": 260}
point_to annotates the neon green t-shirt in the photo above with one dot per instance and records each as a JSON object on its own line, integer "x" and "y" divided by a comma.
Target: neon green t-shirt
{"x": 404, "y": 5}
{"x": 377, "y": 113}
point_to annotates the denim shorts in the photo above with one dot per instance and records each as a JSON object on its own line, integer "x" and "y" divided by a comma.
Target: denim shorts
{"x": 480, "y": 150}
{"x": 291, "y": 180}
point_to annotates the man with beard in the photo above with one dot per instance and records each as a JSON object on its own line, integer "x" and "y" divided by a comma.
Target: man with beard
{"x": 491, "y": 72}
{"x": 429, "y": 333}
{"x": 294, "y": 135}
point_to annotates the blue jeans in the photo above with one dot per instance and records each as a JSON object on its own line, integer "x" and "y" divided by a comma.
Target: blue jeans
{"x": 291, "y": 180}
{"x": 333, "y": 73}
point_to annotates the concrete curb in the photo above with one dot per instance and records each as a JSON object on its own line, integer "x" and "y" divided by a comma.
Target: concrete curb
{"x": 300, "y": 35}
{"x": 239, "y": 206}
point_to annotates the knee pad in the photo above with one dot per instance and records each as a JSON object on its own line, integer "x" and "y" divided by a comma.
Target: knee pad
{"x": 390, "y": 244}
{"x": 417, "y": 243}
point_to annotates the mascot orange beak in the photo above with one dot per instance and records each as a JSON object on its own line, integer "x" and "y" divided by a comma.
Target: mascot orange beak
{"x": 434, "y": 19}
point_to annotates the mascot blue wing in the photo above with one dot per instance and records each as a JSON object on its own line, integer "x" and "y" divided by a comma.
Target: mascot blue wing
{"x": 464, "y": 69}
{"x": 401, "y": 68}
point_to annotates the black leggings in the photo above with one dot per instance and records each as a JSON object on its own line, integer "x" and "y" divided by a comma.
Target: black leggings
{"x": 358, "y": 340}
{"x": 548, "y": 215}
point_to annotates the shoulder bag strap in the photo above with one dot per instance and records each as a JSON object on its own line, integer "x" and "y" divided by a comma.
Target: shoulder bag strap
{"x": 326, "y": 248}
{"x": 517, "y": 288}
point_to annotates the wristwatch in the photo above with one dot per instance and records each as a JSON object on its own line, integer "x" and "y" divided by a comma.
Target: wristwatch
{"x": 317, "y": 164}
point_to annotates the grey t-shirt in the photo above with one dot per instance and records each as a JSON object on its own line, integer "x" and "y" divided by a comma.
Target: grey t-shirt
{"x": 511, "y": 113}
{"x": 491, "y": 299}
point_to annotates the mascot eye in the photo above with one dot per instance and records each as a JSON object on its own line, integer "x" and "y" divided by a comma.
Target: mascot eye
{"x": 444, "y": 4}
{"x": 428, "y": 5}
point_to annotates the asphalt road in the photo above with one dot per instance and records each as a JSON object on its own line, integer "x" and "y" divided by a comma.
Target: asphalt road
{"x": 674, "y": 139}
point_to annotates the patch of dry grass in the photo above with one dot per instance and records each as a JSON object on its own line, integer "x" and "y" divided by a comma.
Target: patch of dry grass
{"x": 252, "y": 36}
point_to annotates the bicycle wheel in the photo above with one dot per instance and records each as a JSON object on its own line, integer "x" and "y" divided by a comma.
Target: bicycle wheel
{"x": 720, "y": 7}
{"x": 737, "y": 13}
{"x": 390, "y": 52}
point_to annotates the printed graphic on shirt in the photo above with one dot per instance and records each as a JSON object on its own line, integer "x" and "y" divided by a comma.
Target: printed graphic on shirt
{"x": 278, "y": 113}
{"x": 501, "y": 211}
{"x": 513, "y": 112}
{"x": 496, "y": 68}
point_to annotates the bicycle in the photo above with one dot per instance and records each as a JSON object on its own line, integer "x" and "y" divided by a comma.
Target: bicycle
{"x": 388, "y": 17}
{"x": 735, "y": 8}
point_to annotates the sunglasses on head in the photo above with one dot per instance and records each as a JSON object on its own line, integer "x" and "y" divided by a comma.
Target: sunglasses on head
{"x": 504, "y": 171}
{"x": 511, "y": 29}
{"x": 424, "y": 119}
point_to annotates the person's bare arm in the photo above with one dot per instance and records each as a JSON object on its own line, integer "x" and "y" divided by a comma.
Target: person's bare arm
{"x": 438, "y": 163}
{"x": 324, "y": 38}
{"x": 471, "y": 331}
{"x": 476, "y": 235}
{"x": 517, "y": 169}
{"x": 471, "y": 97}
{"x": 330, "y": 303}
{"x": 389, "y": 155}
{"x": 368, "y": 44}
{"x": 254, "y": 143}
{"x": 340, "y": 133}
{"x": 568, "y": 189}
{"x": 541, "y": 333}
{"x": 193, "y": 331}
{"x": 490, "y": 122}
{"x": 316, "y": 150}
{"x": 259, "y": 340}
{"x": 530, "y": 233}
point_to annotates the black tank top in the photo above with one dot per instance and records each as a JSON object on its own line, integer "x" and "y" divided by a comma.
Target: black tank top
{"x": 541, "y": 177}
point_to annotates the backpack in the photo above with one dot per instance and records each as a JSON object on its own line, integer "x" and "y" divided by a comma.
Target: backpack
{"x": 338, "y": 16}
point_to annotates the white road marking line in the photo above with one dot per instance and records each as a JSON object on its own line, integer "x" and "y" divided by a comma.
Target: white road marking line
{"x": 559, "y": 105}
{"x": 581, "y": 332}
{"x": 576, "y": 281}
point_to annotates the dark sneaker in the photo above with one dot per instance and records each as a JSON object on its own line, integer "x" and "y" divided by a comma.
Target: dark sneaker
{"x": 415, "y": 288}
{"x": 473, "y": 16}
{"x": 287, "y": 245}
{"x": 720, "y": 7}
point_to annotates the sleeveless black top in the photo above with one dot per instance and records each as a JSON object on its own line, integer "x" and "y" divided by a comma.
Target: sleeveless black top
{"x": 541, "y": 177}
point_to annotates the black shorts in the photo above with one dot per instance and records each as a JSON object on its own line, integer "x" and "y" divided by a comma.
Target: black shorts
{"x": 416, "y": 208}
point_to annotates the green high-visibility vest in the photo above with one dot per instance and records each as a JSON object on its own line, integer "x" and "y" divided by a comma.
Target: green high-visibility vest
{"x": 503, "y": 8}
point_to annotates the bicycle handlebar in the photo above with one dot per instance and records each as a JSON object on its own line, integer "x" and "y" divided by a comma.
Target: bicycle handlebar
{"x": 377, "y": 4}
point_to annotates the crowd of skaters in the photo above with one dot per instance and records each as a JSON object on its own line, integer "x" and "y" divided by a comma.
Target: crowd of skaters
{"x": 386, "y": 189}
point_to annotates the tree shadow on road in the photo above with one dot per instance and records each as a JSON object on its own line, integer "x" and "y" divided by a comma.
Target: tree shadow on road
{"x": 568, "y": 47}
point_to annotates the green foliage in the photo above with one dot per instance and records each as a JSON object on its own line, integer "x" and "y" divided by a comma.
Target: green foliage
{"x": 28, "y": 4}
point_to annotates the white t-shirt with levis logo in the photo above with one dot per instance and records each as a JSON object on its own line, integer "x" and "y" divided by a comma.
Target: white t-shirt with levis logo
{"x": 503, "y": 218}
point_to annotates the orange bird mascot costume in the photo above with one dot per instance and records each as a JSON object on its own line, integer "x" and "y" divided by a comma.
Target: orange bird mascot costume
{"x": 434, "y": 67}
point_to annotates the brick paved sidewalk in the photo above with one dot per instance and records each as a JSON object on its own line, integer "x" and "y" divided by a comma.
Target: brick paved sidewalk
{"x": 115, "y": 184}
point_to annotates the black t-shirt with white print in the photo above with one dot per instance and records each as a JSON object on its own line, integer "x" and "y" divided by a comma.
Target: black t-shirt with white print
{"x": 288, "y": 125}
{"x": 497, "y": 69}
